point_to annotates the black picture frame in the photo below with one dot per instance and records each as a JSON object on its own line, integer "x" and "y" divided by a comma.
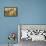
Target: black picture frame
{"x": 10, "y": 11}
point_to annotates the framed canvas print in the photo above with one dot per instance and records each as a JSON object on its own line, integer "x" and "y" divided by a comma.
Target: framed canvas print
{"x": 10, "y": 11}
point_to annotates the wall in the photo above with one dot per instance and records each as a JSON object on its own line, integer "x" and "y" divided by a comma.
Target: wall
{"x": 29, "y": 12}
{"x": 34, "y": 12}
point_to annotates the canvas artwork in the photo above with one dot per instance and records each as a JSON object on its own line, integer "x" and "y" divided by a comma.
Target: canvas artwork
{"x": 10, "y": 11}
